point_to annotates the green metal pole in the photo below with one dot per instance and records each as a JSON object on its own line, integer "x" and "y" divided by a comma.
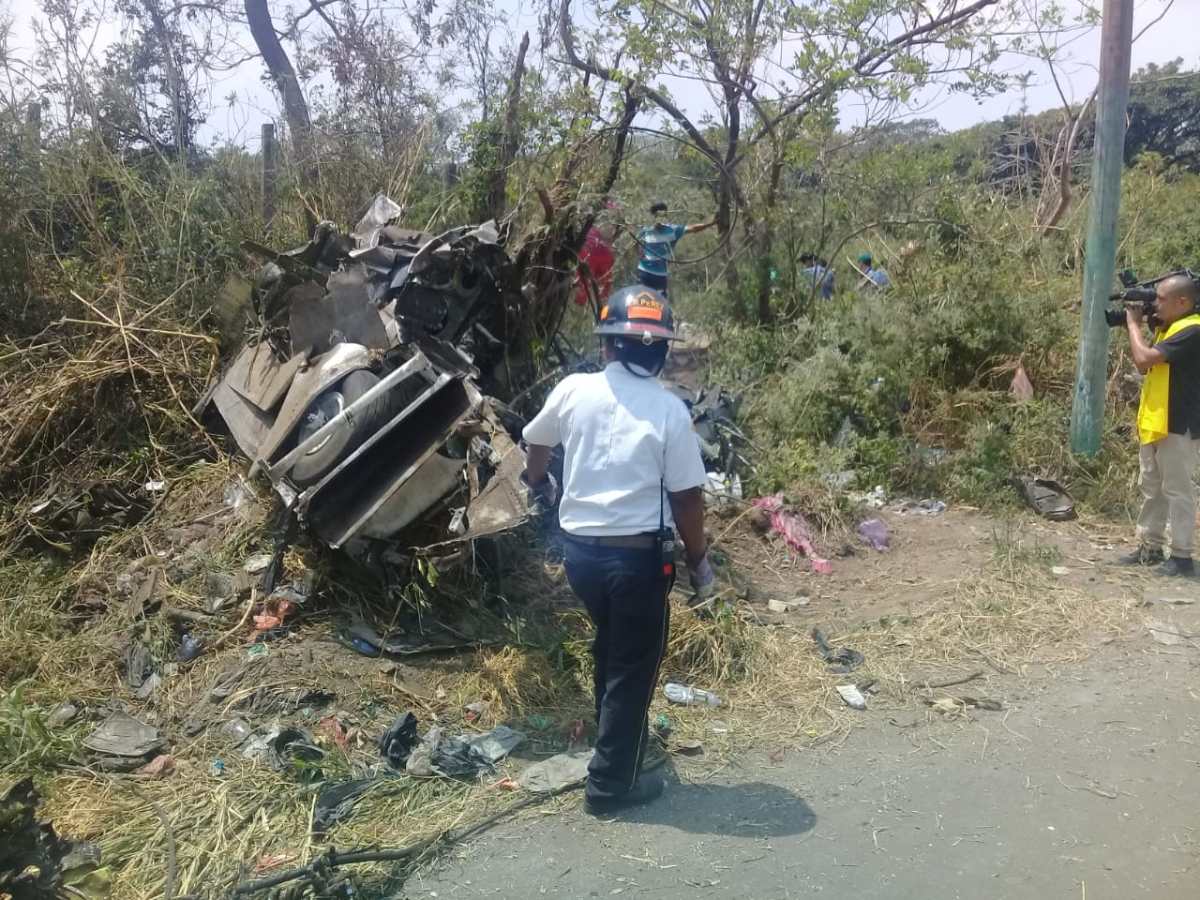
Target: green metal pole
{"x": 1087, "y": 410}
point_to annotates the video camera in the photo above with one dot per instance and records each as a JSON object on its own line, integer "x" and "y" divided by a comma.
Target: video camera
{"x": 1139, "y": 293}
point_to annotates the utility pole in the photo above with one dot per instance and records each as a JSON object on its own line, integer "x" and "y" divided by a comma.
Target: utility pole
{"x": 1091, "y": 375}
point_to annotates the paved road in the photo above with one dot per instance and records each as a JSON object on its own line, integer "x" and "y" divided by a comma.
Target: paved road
{"x": 1088, "y": 790}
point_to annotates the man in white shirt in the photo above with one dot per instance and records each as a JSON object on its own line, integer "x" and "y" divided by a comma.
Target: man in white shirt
{"x": 632, "y": 469}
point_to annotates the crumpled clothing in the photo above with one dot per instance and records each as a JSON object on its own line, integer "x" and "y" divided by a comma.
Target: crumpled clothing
{"x": 795, "y": 531}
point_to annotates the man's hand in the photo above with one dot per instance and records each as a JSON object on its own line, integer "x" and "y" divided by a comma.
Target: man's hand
{"x": 1134, "y": 315}
{"x": 543, "y": 494}
{"x": 702, "y": 579}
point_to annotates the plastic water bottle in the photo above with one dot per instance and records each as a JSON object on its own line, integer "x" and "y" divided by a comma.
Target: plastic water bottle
{"x": 686, "y": 695}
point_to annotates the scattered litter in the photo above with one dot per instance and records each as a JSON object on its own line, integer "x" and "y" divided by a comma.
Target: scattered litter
{"x": 237, "y": 494}
{"x": 275, "y": 611}
{"x": 475, "y": 710}
{"x": 852, "y": 695}
{"x": 190, "y": 647}
{"x": 257, "y": 564}
{"x": 1021, "y": 387}
{"x": 1048, "y": 498}
{"x": 926, "y": 507}
{"x": 292, "y": 747}
{"x": 841, "y": 660}
{"x": 795, "y": 531}
{"x": 688, "y": 747}
{"x": 839, "y": 481}
{"x": 217, "y": 769}
{"x": 686, "y": 695}
{"x": 420, "y": 760}
{"x": 556, "y": 773}
{"x": 507, "y": 784}
{"x": 496, "y": 744}
{"x": 160, "y": 767}
{"x": 31, "y": 853}
{"x": 238, "y": 730}
{"x": 254, "y": 651}
{"x": 1167, "y": 633}
{"x": 61, "y": 715}
{"x": 718, "y": 726}
{"x": 398, "y": 741}
{"x": 958, "y": 705}
{"x": 1176, "y": 601}
{"x": 723, "y": 489}
{"x": 122, "y": 735}
{"x": 1059, "y": 570}
{"x": 335, "y": 802}
{"x": 786, "y": 606}
{"x": 876, "y": 498}
{"x": 540, "y": 722}
{"x": 663, "y": 726}
{"x": 331, "y": 727}
{"x": 875, "y": 533}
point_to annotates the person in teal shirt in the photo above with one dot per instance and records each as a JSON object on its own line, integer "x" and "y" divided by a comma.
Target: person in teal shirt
{"x": 875, "y": 278}
{"x": 657, "y": 243}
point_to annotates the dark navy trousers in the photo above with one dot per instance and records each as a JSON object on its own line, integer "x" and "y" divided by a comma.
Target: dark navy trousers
{"x": 625, "y": 593}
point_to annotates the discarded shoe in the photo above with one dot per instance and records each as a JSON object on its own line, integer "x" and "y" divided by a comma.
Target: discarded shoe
{"x": 655, "y": 755}
{"x": 1048, "y": 498}
{"x": 1144, "y": 555}
{"x": 1177, "y": 567}
{"x": 647, "y": 788}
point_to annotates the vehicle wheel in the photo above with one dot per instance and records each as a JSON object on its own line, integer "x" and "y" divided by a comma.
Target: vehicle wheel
{"x": 318, "y": 460}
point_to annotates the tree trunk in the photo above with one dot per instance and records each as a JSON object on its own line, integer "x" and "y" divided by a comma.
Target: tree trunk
{"x": 180, "y": 130}
{"x": 498, "y": 188}
{"x": 295, "y": 107}
{"x": 766, "y": 241}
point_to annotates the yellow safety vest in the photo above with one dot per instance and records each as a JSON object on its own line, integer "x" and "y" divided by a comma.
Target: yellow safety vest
{"x": 1156, "y": 388}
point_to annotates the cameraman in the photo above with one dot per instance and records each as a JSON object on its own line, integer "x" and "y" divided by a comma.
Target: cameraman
{"x": 1168, "y": 424}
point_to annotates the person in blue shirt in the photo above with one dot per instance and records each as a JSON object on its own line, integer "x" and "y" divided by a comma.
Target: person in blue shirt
{"x": 657, "y": 243}
{"x": 875, "y": 278}
{"x": 817, "y": 273}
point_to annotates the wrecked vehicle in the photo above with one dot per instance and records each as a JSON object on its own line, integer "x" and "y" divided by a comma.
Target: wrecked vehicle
{"x": 359, "y": 397}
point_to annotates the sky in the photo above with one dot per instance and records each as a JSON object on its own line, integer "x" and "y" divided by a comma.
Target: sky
{"x": 1172, "y": 37}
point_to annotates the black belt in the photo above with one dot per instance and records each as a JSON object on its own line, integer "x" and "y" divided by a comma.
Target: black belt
{"x": 625, "y": 541}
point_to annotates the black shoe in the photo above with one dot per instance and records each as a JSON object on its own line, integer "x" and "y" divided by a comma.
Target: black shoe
{"x": 1144, "y": 555}
{"x": 1177, "y": 567}
{"x": 645, "y": 789}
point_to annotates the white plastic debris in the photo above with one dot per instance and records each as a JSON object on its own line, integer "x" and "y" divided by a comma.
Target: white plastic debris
{"x": 852, "y": 695}
{"x": 1060, "y": 570}
{"x": 686, "y": 695}
{"x": 257, "y": 563}
{"x": 785, "y": 606}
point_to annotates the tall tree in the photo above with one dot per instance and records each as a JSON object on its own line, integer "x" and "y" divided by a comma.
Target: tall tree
{"x": 291, "y": 93}
{"x": 882, "y": 48}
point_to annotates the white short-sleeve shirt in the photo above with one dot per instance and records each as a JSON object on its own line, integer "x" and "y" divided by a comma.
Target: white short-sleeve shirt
{"x": 624, "y": 438}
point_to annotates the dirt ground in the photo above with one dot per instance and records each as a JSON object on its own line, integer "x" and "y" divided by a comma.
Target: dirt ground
{"x": 1071, "y": 786}
{"x": 1081, "y": 786}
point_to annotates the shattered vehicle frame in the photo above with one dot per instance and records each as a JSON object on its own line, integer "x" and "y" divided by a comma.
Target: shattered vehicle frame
{"x": 358, "y": 395}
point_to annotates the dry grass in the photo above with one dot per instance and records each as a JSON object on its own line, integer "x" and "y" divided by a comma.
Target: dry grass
{"x": 778, "y": 693}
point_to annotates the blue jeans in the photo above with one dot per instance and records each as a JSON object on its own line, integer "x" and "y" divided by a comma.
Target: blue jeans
{"x": 625, "y": 593}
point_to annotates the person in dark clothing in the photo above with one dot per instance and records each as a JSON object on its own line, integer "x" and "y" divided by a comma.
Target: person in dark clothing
{"x": 632, "y": 469}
